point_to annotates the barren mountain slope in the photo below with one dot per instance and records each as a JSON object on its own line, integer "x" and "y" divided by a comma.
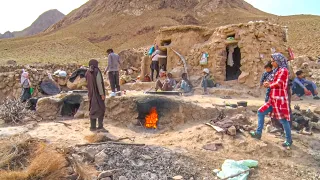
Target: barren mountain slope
{"x": 44, "y": 21}
{"x": 99, "y": 24}
{"x": 304, "y": 36}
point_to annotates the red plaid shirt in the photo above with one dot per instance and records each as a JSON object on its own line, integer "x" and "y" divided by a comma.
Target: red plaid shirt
{"x": 279, "y": 96}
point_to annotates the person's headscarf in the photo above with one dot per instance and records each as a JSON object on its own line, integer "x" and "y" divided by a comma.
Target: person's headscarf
{"x": 91, "y": 76}
{"x": 93, "y": 65}
{"x": 281, "y": 60}
{"x": 24, "y": 76}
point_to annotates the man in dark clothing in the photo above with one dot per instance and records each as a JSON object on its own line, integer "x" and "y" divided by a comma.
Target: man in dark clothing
{"x": 113, "y": 70}
{"x": 301, "y": 86}
{"x": 96, "y": 94}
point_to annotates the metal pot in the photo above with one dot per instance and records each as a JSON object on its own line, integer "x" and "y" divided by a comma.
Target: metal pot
{"x": 242, "y": 103}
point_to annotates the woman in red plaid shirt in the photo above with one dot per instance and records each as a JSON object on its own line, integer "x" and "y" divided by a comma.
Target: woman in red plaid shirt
{"x": 278, "y": 104}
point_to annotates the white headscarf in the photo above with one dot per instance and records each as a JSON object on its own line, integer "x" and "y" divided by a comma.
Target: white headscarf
{"x": 24, "y": 76}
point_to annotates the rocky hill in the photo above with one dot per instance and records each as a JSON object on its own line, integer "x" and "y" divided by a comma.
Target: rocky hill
{"x": 99, "y": 24}
{"x": 6, "y": 35}
{"x": 44, "y": 21}
{"x": 193, "y": 8}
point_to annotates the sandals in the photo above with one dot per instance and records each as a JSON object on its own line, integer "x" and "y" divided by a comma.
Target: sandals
{"x": 255, "y": 135}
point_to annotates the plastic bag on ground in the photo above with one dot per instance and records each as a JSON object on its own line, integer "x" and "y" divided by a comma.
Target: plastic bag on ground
{"x": 231, "y": 167}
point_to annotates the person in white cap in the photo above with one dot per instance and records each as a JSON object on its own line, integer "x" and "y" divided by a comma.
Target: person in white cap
{"x": 207, "y": 81}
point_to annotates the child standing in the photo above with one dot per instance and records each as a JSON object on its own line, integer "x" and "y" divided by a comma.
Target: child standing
{"x": 267, "y": 77}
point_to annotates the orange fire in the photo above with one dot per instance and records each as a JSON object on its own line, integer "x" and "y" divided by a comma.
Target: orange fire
{"x": 152, "y": 119}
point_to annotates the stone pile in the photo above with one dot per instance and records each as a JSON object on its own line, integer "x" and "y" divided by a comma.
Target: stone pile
{"x": 121, "y": 161}
{"x": 309, "y": 66}
{"x": 10, "y": 76}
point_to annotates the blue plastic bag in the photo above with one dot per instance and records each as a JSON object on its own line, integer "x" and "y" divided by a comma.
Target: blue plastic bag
{"x": 151, "y": 50}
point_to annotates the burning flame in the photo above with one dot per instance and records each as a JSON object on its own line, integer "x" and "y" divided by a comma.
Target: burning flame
{"x": 152, "y": 119}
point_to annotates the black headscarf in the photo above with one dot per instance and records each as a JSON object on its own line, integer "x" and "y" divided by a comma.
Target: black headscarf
{"x": 91, "y": 77}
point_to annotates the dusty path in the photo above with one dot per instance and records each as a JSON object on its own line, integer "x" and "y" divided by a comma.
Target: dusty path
{"x": 301, "y": 162}
{"x": 275, "y": 162}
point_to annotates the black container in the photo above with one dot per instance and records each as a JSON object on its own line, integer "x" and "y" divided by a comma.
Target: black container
{"x": 242, "y": 103}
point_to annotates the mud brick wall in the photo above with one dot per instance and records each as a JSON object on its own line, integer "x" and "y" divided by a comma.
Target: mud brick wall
{"x": 255, "y": 40}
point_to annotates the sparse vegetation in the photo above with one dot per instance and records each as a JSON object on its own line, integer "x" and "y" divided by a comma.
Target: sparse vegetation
{"x": 23, "y": 157}
{"x": 13, "y": 111}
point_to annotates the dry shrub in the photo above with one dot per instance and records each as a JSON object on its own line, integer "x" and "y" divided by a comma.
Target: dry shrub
{"x": 13, "y": 175}
{"x": 95, "y": 138}
{"x": 45, "y": 163}
{"x": 13, "y": 151}
{"x": 14, "y": 111}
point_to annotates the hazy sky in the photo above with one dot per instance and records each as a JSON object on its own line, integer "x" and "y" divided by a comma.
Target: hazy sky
{"x": 15, "y": 15}
{"x": 287, "y": 7}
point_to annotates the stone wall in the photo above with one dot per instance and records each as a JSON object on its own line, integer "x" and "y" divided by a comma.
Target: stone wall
{"x": 309, "y": 66}
{"x": 10, "y": 76}
{"x": 255, "y": 40}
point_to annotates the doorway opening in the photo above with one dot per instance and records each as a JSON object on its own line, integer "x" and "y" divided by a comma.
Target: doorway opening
{"x": 163, "y": 60}
{"x": 233, "y": 62}
{"x": 71, "y": 104}
{"x": 166, "y": 42}
{"x": 164, "y": 52}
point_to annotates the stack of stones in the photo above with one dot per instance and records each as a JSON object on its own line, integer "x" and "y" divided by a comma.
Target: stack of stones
{"x": 10, "y": 76}
{"x": 309, "y": 66}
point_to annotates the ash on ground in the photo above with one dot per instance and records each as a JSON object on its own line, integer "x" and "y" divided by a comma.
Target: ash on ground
{"x": 140, "y": 162}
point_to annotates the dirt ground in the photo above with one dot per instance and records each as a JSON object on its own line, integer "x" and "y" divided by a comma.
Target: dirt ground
{"x": 301, "y": 162}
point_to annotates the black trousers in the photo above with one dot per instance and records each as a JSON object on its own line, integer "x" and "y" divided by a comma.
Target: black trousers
{"x": 299, "y": 91}
{"x": 114, "y": 80}
{"x": 154, "y": 67}
{"x": 26, "y": 95}
{"x": 93, "y": 123}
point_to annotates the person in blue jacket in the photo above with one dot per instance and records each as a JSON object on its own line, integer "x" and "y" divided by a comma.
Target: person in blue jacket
{"x": 301, "y": 86}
